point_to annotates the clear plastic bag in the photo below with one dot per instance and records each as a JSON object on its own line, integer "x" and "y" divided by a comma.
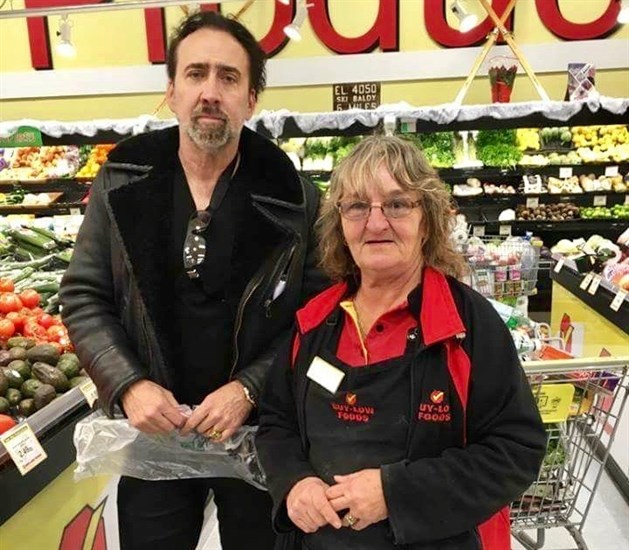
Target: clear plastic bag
{"x": 106, "y": 446}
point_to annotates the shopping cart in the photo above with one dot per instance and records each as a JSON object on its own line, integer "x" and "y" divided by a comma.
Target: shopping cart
{"x": 581, "y": 402}
{"x": 502, "y": 267}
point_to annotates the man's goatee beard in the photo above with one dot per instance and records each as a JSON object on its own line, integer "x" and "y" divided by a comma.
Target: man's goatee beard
{"x": 210, "y": 139}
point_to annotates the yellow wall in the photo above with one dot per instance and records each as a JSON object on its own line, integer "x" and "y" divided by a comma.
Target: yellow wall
{"x": 117, "y": 39}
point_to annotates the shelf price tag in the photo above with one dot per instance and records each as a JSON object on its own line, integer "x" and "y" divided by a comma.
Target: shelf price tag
{"x": 559, "y": 264}
{"x": 88, "y": 389}
{"x": 478, "y": 231}
{"x": 23, "y": 447}
{"x": 586, "y": 281}
{"x": 596, "y": 280}
{"x": 75, "y": 211}
{"x": 565, "y": 172}
{"x": 611, "y": 171}
{"x": 505, "y": 230}
{"x": 532, "y": 202}
{"x": 618, "y": 300}
{"x": 600, "y": 200}
{"x": 408, "y": 125}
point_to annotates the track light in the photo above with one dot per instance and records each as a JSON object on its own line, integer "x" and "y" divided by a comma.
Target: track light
{"x": 623, "y": 14}
{"x": 467, "y": 20}
{"x": 65, "y": 47}
{"x": 293, "y": 31}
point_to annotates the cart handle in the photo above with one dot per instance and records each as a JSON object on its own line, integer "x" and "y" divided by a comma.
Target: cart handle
{"x": 582, "y": 364}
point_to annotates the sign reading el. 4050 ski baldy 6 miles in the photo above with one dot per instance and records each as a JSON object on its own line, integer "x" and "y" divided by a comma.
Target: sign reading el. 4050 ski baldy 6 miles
{"x": 361, "y": 95}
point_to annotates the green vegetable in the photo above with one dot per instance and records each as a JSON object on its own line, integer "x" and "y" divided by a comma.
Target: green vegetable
{"x": 498, "y": 148}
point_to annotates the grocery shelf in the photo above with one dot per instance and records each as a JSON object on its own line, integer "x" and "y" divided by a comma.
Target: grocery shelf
{"x": 53, "y": 209}
{"x": 571, "y": 279}
{"x": 507, "y": 200}
{"x": 572, "y": 226}
{"x": 490, "y": 173}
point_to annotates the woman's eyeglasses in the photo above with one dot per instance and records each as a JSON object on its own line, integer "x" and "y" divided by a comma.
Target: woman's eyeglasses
{"x": 395, "y": 208}
{"x": 194, "y": 245}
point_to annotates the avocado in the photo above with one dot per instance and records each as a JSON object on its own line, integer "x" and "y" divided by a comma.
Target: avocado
{"x": 4, "y": 405}
{"x": 26, "y": 407}
{"x": 13, "y": 377}
{"x": 20, "y": 342}
{"x": 14, "y": 396}
{"x": 22, "y": 367}
{"x": 18, "y": 353}
{"x": 46, "y": 353}
{"x": 5, "y": 358}
{"x": 29, "y": 387}
{"x": 77, "y": 381}
{"x": 4, "y": 383}
{"x": 44, "y": 395}
{"x": 50, "y": 375}
{"x": 69, "y": 365}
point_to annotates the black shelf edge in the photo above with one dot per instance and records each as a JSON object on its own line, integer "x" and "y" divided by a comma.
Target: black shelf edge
{"x": 600, "y": 301}
{"x": 488, "y": 172}
{"x": 567, "y": 226}
{"x": 55, "y": 209}
{"x": 513, "y": 199}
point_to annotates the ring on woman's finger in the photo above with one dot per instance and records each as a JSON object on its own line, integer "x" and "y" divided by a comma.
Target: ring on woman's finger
{"x": 351, "y": 520}
{"x": 215, "y": 434}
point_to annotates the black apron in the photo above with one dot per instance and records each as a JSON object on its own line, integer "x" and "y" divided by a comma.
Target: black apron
{"x": 364, "y": 424}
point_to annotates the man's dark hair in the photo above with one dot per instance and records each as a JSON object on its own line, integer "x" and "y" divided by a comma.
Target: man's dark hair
{"x": 216, "y": 21}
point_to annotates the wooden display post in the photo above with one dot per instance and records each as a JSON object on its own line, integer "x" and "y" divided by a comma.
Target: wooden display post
{"x": 500, "y": 29}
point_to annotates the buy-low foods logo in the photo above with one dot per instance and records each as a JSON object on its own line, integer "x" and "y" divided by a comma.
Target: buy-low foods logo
{"x": 351, "y": 411}
{"x": 435, "y": 409}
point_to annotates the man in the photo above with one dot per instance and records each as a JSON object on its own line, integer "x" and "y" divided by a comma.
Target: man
{"x": 195, "y": 252}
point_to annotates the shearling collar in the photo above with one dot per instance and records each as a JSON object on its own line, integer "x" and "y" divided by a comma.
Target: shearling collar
{"x": 276, "y": 177}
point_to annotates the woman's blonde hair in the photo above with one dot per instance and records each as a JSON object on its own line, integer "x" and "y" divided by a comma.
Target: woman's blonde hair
{"x": 410, "y": 169}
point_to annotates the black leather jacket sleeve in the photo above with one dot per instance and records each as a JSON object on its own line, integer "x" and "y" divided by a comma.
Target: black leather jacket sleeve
{"x": 89, "y": 309}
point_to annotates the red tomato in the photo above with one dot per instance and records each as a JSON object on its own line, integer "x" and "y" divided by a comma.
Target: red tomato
{"x": 6, "y": 423}
{"x": 37, "y": 312}
{"x": 30, "y": 298}
{"x": 9, "y": 302}
{"x": 34, "y": 329}
{"x": 55, "y": 333}
{"x": 17, "y": 319}
{"x": 7, "y": 328}
{"x": 46, "y": 320}
{"x": 6, "y": 285}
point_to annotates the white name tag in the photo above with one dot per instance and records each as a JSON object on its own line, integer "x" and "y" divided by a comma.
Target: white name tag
{"x": 325, "y": 375}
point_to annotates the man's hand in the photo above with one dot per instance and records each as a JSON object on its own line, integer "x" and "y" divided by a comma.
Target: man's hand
{"x": 151, "y": 408}
{"x": 361, "y": 493}
{"x": 308, "y": 508}
{"x": 223, "y": 411}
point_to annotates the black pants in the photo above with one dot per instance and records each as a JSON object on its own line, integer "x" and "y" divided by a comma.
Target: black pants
{"x": 168, "y": 515}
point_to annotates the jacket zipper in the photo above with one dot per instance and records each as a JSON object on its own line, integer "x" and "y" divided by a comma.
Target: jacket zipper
{"x": 251, "y": 288}
{"x": 283, "y": 278}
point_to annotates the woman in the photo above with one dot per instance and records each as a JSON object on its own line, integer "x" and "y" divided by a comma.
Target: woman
{"x": 400, "y": 416}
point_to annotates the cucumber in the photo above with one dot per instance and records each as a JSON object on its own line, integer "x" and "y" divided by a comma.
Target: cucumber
{"x": 28, "y": 237}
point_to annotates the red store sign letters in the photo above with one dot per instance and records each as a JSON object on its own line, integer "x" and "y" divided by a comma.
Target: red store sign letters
{"x": 383, "y": 34}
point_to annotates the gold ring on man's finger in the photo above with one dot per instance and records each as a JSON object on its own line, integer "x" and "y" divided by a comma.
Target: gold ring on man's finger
{"x": 351, "y": 520}
{"x": 215, "y": 434}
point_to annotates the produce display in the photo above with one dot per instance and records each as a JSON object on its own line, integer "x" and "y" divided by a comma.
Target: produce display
{"x": 438, "y": 148}
{"x": 610, "y": 259}
{"x": 616, "y": 212}
{"x": 33, "y": 374}
{"x": 33, "y": 259}
{"x": 548, "y": 212}
{"x": 40, "y": 163}
{"x": 19, "y": 197}
{"x": 92, "y": 158}
{"x": 498, "y": 148}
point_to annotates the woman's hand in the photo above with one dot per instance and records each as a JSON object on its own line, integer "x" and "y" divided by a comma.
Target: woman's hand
{"x": 361, "y": 493}
{"x": 308, "y": 508}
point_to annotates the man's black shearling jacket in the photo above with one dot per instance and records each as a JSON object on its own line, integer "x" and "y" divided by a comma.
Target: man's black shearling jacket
{"x": 113, "y": 291}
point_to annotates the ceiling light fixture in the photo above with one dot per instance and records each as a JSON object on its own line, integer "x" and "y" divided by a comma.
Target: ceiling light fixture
{"x": 623, "y": 14}
{"x": 467, "y": 20}
{"x": 65, "y": 47}
{"x": 293, "y": 31}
